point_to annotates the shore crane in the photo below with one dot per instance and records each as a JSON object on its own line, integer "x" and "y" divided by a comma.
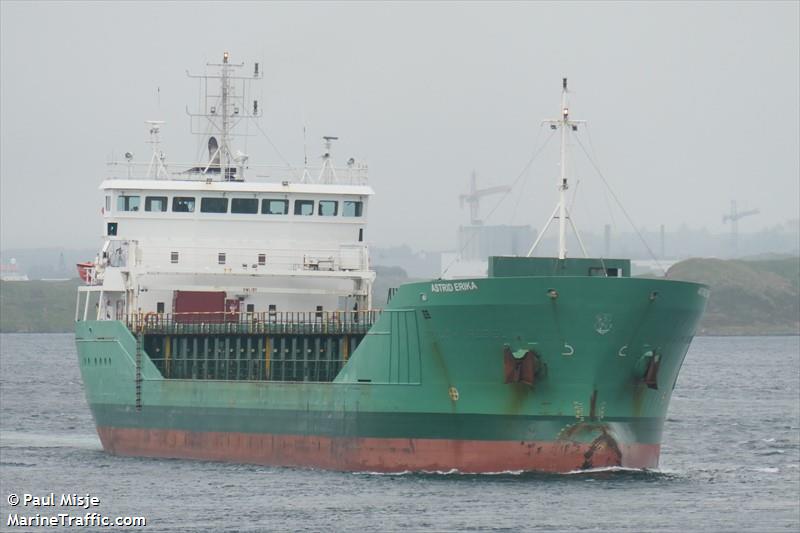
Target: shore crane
{"x": 474, "y": 196}
{"x": 734, "y": 217}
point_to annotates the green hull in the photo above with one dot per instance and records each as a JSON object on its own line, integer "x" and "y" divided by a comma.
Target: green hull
{"x": 427, "y": 387}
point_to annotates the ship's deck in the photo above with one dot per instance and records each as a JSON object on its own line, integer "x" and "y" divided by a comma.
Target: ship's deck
{"x": 300, "y": 346}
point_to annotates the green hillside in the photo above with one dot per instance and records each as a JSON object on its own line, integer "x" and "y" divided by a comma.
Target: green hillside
{"x": 37, "y": 306}
{"x": 759, "y": 297}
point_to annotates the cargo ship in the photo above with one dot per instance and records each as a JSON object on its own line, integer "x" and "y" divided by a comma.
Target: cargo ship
{"x": 229, "y": 316}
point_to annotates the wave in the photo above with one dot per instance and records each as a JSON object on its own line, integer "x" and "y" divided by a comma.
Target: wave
{"x": 610, "y": 471}
{"x": 16, "y": 464}
{"x": 21, "y": 439}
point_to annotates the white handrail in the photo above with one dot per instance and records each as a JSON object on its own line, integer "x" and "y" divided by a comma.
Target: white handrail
{"x": 356, "y": 174}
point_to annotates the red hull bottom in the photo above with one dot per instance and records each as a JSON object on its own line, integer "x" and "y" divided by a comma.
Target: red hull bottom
{"x": 378, "y": 454}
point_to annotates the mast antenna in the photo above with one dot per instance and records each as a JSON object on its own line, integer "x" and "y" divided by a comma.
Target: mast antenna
{"x": 305, "y": 147}
{"x": 306, "y": 175}
{"x": 567, "y": 125}
{"x": 156, "y": 168}
{"x": 327, "y": 173}
{"x": 223, "y": 111}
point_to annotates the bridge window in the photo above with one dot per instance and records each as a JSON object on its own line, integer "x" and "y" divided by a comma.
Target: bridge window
{"x": 221, "y": 258}
{"x": 173, "y": 257}
{"x": 274, "y": 207}
{"x": 244, "y": 205}
{"x": 183, "y": 204}
{"x": 213, "y": 205}
{"x": 262, "y": 259}
{"x": 127, "y": 203}
{"x": 328, "y": 208}
{"x": 304, "y": 207}
{"x": 352, "y": 208}
{"x": 108, "y": 204}
{"x": 155, "y": 203}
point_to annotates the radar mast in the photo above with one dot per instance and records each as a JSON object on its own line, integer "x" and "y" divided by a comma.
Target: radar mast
{"x": 223, "y": 112}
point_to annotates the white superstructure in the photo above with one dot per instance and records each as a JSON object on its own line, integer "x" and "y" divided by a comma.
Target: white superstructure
{"x": 273, "y": 240}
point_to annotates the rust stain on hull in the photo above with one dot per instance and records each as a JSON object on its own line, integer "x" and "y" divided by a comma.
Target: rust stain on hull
{"x": 603, "y": 451}
{"x": 593, "y": 406}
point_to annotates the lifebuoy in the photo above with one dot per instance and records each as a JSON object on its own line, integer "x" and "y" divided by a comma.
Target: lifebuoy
{"x": 151, "y": 318}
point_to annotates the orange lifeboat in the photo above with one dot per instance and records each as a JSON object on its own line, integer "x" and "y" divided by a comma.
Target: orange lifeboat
{"x": 86, "y": 272}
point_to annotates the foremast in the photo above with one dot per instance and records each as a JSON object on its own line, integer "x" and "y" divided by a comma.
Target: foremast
{"x": 566, "y": 124}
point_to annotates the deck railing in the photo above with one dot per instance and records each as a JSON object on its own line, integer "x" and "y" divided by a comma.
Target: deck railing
{"x": 355, "y": 174}
{"x": 270, "y": 322}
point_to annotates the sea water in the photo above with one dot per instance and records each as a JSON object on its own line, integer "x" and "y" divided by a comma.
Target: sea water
{"x": 730, "y": 461}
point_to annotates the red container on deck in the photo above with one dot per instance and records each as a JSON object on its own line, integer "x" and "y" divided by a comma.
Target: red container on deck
{"x": 194, "y": 307}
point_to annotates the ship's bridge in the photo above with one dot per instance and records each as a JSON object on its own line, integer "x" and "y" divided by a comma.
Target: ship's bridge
{"x": 278, "y": 214}
{"x": 196, "y": 223}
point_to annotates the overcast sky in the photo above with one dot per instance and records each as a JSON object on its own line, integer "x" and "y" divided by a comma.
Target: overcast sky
{"x": 689, "y": 105}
